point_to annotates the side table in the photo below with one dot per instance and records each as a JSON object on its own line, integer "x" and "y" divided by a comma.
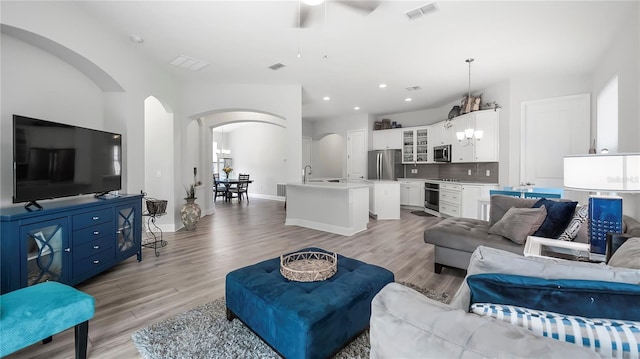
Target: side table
{"x": 554, "y": 248}
{"x": 154, "y": 234}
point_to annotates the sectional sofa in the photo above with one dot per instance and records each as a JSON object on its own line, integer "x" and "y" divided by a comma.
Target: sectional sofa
{"x": 407, "y": 324}
{"x": 455, "y": 239}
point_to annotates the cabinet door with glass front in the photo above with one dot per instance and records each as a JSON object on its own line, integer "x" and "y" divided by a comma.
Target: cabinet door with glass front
{"x": 415, "y": 145}
{"x": 422, "y": 145}
{"x": 46, "y": 251}
{"x": 129, "y": 231}
{"x": 408, "y": 146}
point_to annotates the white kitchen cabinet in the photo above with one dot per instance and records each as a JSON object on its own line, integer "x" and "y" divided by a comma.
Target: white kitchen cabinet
{"x": 387, "y": 139}
{"x": 463, "y": 200}
{"x": 486, "y": 149}
{"x": 474, "y": 150}
{"x": 412, "y": 193}
{"x": 450, "y": 199}
{"x": 415, "y": 145}
{"x": 438, "y": 135}
{"x": 384, "y": 199}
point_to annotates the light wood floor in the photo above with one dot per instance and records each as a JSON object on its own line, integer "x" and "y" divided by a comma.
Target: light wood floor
{"x": 190, "y": 270}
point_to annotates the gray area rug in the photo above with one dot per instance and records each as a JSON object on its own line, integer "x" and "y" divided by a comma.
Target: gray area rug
{"x": 204, "y": 332}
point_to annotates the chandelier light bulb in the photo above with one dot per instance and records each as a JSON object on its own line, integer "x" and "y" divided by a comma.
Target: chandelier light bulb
{"x": 468, "y": 133}
{"x": 478, "y": 134}
{"x": 460, "y": 136}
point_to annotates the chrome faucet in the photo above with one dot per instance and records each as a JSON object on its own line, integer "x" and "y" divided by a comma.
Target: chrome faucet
{"x": 305, "y": 173}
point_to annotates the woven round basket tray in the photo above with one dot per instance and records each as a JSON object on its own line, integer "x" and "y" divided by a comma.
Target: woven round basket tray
{"x": 308, "y": 266}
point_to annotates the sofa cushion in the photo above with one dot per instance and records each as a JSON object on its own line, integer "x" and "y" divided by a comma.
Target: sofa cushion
{"x": 466, "y": 234}
{"x": 519, "y": 223}
{"x": 631, "y": 226}
{"x": 579, "y": 220}
{"x": 559, "y": 214}
{"x": 610, "y": 338}
{"x": 627, "y": 255}
{"x": 406, "y": 324}
{"x": 587, "y": 298}
{"x": 500, "y": 204}
{"x": 491, "y": 260}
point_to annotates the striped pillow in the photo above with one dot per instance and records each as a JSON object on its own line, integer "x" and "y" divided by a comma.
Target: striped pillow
{"x": 614, "y": 338}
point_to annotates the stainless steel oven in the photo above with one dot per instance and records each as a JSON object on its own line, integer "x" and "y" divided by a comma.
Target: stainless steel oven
{"x": 432, "y": 196}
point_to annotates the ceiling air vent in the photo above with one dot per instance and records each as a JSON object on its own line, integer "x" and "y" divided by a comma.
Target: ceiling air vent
{"x": 277, "y": 66}
{"x": 413, "y": 88}
{"x": 422, "y": 10}
{"x": 188, "y": 63}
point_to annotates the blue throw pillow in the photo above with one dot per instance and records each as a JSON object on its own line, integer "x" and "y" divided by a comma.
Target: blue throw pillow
{"x": 559, "y": 216}
{"x": 586, "y": 298}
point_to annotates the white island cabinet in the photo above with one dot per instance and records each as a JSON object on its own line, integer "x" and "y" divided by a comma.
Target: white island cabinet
{"x": 340, "y": 208}
{"x": 384, "y": 199}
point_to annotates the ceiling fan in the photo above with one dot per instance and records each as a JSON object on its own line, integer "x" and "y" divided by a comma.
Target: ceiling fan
{"x": 307, "y": 8}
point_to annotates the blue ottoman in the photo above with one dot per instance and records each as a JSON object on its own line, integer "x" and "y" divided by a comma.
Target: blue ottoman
{"x": 305, "y": 319}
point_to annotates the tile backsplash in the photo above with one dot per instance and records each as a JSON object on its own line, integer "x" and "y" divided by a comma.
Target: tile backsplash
{"x": 465, "y": 172}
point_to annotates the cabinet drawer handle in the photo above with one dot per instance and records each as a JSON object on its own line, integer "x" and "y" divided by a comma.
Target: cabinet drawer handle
{"x": 95, "y": 261}
{"x": 67, "y": 249}
{"x": 96, "y": 247}
{"x": 95, "y": 233}
{"x": 95, "y": 218}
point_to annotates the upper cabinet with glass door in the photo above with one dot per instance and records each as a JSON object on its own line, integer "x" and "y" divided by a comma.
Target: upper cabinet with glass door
{"x": 415, "y": 145}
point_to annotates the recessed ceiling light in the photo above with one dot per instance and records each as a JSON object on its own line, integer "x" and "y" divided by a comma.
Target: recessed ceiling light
{"x": 136, "y": 39}
{"x": 408, "y": 99}
{"x": 356, "y": 108}
{"x": 326, "y": 98}
{"x": 382, "y": 86}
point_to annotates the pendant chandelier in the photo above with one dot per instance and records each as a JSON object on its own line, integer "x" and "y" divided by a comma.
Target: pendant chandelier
{"x": 470, "y": 132}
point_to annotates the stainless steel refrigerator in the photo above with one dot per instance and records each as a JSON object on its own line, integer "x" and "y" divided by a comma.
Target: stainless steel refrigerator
{"x": 385, "y": 164}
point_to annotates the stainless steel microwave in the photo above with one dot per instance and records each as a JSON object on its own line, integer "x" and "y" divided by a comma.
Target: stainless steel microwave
{"x": 442, "y": 153}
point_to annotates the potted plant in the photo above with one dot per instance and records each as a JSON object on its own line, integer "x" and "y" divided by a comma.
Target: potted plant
{"x": 190, "y": 212}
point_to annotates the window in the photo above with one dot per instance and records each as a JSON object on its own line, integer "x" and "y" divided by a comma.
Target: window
{"x": 607, "y": 120}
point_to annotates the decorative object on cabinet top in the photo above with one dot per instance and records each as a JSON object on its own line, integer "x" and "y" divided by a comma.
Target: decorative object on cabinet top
{"x": 386, "y": 124}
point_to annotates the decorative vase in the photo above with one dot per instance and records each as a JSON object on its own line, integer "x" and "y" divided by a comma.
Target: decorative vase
{"x": 190, "y": 214}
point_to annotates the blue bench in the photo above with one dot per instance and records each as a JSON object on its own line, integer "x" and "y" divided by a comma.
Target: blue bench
{"x": 32, "y": 314}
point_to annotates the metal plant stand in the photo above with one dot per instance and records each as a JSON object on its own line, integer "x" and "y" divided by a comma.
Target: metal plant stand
{"x": 154, "y": 233}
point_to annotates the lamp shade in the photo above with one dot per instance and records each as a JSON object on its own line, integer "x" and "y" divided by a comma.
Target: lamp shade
{"x": 619, "y": 172}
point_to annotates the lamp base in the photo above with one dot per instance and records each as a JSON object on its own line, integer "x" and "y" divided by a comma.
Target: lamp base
{"x": 605, "y": 216}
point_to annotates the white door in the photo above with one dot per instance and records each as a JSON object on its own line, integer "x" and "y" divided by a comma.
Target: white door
{"x": 551, "y": 129}
{"x": 356, "y": 154}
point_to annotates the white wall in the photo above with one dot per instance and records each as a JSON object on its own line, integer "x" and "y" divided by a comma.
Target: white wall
{"x": 158, "y": 147}
{"x": 623, "y": 59}
{"x": 64, "y": 96}
{"x": 31, "y": 80}
{"x": 259, "y": 149}
{"x": 329, "y": 154}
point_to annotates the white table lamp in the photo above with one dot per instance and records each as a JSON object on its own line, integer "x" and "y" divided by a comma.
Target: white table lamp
{"x": 606, "y": 175}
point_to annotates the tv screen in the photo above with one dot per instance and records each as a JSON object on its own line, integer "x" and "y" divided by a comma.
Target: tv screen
{"x": 52, "y": 160}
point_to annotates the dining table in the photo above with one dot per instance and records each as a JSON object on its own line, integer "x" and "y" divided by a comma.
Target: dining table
{"x": 228, "y": 182}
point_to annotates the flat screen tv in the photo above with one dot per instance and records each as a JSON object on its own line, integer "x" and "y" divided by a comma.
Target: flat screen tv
{"x": 52, "y": 160}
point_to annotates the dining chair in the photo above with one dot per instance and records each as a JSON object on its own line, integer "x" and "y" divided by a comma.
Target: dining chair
{"x": 242, "y": 188}
{"x": 220, "y": 189}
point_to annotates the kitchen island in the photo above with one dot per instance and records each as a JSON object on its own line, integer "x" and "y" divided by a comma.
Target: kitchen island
{"x": 334, "y": 207}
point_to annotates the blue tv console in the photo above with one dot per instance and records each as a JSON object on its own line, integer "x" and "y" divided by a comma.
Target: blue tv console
{"x": 68, "y": 241}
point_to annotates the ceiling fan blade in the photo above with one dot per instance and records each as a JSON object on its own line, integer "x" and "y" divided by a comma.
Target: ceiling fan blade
{"x": 365, "y": 6}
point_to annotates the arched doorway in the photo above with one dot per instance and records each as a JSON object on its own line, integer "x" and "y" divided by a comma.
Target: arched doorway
{"x": 258, "y": 148}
